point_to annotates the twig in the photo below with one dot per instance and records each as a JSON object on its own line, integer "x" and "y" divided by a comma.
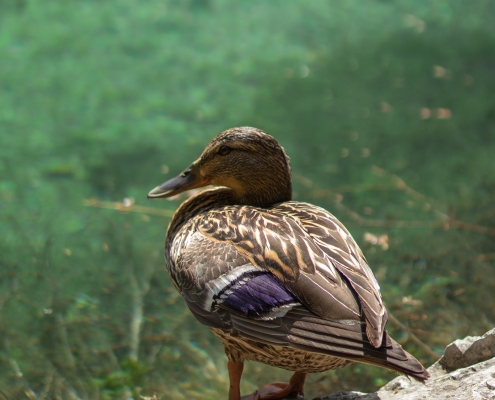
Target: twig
{"x": 123, "y": 208}
{"x": 47, "y": 384}
{"x": 352, "y": 214}
{"x": 400, "y": 184}
{"x": 139, "y": 289}
{"x": 136, "y": 316}
{"x": 17, "y": 371}
{"x": 66, "y": 356}
{"x": 307, "y": 183}
{"x": 60, "y": 383}
{"x": 149, "y": 398}
{"x": 114, "y": 361}
{"x": 446, "y": 222}
{"x": 412, "y": 336}
{"x": 472, "y": 227}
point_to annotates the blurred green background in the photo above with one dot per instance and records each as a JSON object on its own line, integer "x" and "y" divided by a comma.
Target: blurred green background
{"x": 386, "y": 108}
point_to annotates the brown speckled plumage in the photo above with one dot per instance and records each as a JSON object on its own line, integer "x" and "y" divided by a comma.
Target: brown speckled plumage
{"x": 240, "y": 350}
{"x": 277, "y": 281}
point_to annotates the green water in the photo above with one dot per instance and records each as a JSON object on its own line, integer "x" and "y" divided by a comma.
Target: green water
{"x": 386, "y": 109}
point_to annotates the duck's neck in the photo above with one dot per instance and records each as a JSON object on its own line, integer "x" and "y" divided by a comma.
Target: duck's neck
{"x": 222, "y": 196}
{"x": 270, "y": 194}
{"x": 262, "y": 185}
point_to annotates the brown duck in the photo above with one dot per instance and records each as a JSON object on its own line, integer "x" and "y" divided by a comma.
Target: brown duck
{"x": 277, "y": 281}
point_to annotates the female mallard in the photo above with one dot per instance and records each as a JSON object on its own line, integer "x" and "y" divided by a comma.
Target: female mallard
{"x": 277, "y": 281}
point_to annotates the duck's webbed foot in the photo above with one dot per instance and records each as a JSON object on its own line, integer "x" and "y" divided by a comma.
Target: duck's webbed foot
{"x": 280, "y": 390}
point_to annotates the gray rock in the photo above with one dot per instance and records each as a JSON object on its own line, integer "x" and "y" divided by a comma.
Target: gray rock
{"x": 342, "y": 395}
{"x": 469, "y": 351}
{"x": 473, "y": 382}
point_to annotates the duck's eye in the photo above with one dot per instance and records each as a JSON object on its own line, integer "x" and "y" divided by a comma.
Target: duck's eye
{"x": 224, "y": 150}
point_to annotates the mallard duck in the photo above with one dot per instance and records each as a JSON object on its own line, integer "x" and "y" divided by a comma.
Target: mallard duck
{"x": 277, "y": 281}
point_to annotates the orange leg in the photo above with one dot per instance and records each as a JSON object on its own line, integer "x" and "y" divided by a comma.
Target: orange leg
{"x": 279, "y": 390}
{"x": 235, "y": 372}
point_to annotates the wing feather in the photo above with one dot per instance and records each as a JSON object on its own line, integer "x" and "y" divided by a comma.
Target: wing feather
{"x": 303, "y": 330}
{"x": 279, "y": 243}
{"x": 337, "y": 243}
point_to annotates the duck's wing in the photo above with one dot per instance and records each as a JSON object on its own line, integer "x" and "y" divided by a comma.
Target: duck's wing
{"x": 213, "y": 275}
{"x": 255, "y": 306}
{"x": 224, "y": 289}
{"x": 303, "y": 330}
{"x": 310, "y": 252}
{"x": 262, "y": 282}
{"x": 331, "y": 236}
{"x": 297, "y": 327}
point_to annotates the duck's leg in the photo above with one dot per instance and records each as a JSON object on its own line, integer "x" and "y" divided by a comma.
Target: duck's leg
{"x": 235, "y": 372}
{"x": 279, "y": 390}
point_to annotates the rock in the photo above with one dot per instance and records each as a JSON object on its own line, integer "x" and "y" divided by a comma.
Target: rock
{"x": 342, "y": 395}
{"x": 473, "y": 382}
{"x": 466, "y": 371}
{"x": 469, "y": 351}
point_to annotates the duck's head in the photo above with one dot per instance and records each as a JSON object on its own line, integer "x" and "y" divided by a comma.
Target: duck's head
{"x": 247, "y": 160}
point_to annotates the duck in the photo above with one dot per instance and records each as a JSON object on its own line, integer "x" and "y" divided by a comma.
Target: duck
{"x": 278, "y": 281}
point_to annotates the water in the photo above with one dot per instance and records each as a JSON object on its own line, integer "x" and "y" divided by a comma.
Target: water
{"x": 385, "y": 109}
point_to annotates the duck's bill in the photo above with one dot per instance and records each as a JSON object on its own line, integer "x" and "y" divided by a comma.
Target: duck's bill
{"x": 189, "y": 179}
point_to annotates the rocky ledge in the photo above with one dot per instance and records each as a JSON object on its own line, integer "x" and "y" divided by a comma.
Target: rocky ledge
{"x": 466, "y": 371}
